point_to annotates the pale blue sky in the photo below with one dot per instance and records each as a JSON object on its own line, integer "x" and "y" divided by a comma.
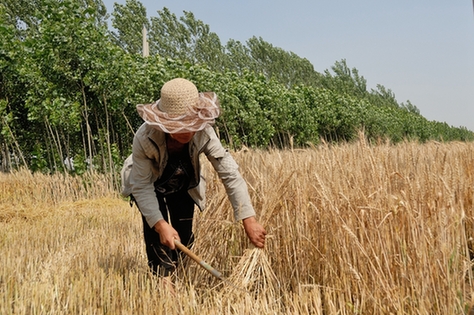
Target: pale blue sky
{"x": 423, "y": 50}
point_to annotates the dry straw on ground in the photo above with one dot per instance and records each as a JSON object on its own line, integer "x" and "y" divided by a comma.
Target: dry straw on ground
{"x": 353, "y": 229}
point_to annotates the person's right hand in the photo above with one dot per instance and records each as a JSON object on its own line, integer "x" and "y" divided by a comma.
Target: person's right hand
{"x": 167, "y": 233}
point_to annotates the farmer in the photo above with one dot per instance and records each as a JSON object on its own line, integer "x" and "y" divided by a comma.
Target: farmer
{"x": 162, "y": 175}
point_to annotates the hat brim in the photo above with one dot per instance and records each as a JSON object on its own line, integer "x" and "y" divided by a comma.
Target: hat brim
{"x": 197, "y": 118}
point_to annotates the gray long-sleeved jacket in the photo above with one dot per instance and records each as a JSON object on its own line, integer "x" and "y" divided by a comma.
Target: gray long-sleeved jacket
{"x": 148, "y": 160}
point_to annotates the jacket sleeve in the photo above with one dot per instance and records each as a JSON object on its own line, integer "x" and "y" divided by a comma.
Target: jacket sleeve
{"x": 228, "y": 171}
{"x": 141, "y": 181}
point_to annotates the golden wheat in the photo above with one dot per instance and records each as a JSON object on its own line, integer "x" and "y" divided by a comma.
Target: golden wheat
{"x": 353, "y": 229}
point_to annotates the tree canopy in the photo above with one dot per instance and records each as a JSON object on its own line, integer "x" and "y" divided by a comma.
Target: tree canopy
{"x": 69, "y": 86}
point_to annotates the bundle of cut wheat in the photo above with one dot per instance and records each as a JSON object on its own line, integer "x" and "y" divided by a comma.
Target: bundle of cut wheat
{"x": 254, "y": 273}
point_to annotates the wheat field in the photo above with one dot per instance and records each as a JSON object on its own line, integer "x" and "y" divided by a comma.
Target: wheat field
{"x": 352, "y": 229}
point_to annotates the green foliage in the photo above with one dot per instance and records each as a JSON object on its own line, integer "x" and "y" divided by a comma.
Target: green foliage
{"x": 345, "y": 80}
{"x": 238, "y": 57}
{"x": 285, "y": 67}
{"x": 129, "y": 20}
{"x": 69, "y": 88}
{"x": 245, "y": 116}
{"x": 185, "y": 39}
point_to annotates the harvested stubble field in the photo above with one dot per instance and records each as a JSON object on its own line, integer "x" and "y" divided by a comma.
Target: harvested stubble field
{"x": 353, "y": 229}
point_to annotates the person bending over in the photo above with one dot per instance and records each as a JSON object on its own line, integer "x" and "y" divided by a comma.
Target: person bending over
{"x": 163, "y": 174}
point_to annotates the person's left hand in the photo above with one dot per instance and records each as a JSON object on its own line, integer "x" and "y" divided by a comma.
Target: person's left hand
{"x": 255, "y": 232}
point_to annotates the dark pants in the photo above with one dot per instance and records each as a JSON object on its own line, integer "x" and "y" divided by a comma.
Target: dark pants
{"x": 180, "y": 207}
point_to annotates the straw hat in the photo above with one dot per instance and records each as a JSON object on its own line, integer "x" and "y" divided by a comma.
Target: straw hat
{"x": 181, "y": 108}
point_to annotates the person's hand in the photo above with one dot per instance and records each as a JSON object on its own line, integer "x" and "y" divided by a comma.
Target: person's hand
{"x": 167, "y": 233}
{"x": 255, "y": 232}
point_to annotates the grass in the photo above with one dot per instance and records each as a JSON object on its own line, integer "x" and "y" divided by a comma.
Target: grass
{"x": 353, "y": 229}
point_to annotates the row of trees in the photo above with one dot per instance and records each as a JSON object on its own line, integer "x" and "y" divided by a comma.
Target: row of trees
{"x": 69, "y": 86}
